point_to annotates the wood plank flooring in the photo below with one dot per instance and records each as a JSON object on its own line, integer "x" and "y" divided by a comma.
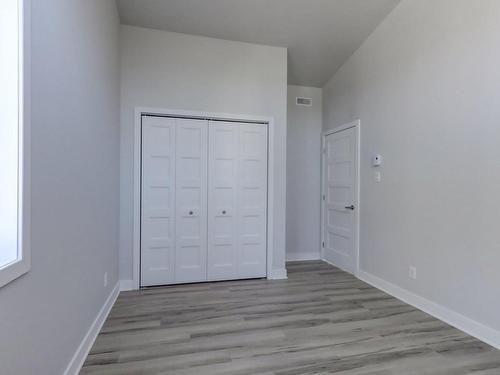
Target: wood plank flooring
{"x": 319, "y": 321}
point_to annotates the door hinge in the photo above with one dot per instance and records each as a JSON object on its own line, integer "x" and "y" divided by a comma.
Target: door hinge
{"x": 323, "y": 197}
{"x": 323, "y": 244}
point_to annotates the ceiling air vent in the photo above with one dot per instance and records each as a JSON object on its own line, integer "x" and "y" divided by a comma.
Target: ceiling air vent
{"x": 304, "y": 101}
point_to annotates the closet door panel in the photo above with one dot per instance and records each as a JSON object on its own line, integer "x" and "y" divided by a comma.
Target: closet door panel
{"x": 252, "y": 200}
{"x": 158, "y": 201}
{"x": 191, "y": 200}
{"x": 222, "y": 201}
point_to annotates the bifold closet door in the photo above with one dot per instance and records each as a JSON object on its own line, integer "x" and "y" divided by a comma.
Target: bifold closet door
{"x": 158, "y": 201}
{"x": 203, "y": 200}
{"x": 191, "y": 200}
{"x": 237, "y": 200}
{"x": 174, "y": 200}
{"x": 222, "y": 200}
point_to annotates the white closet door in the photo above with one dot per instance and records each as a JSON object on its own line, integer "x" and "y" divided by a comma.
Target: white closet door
{"x": 158, "y": 197}
{"x": 204, "y": 200}
{"x": 222, "y": 200}
{"x": 191, "y": 200}
{"x": 252, "y": 200}
{"x": 237, "y": 200}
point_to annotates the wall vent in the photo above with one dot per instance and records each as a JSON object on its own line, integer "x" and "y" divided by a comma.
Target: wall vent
{"x": 304, "y": 101}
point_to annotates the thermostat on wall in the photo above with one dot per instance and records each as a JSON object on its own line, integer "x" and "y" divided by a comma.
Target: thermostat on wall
{"x": 377, "y": 160}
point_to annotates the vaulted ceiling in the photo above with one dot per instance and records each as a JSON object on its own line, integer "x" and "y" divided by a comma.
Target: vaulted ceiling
{"x": 320, "y": 34}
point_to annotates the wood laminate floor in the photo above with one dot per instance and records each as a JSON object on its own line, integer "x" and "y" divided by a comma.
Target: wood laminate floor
{"x": 319, "y": 321}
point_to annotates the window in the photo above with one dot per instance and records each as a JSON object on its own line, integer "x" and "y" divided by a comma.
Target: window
{"x": 14, "y": 202}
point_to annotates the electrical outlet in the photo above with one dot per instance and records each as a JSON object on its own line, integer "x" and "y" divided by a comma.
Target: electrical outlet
{"x": 105, "y": 279}
{"x": 412, "y": 272}
{"x": 378, "y": 176}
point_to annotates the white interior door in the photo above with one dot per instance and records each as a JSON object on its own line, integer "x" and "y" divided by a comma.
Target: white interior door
{"x": 158, "y": 201}
{"x": 252, "y": 200}
{"x": 191, "y": 200}
{"x": 223, "y": 200}
{"x": 340, "y": 198}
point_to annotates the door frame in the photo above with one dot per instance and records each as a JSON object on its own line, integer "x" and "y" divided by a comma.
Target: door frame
{"x": 144, "y": 111}
{"x": 357, "y": 201}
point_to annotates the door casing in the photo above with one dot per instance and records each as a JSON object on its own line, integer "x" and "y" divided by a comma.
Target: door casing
{"x": 136, "y": 240}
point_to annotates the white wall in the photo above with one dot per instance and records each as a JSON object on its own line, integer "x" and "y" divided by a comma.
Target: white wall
{"x": 303, "y": 187}
{"x": 45, "y": 314}
{"x": 177, "y": 71}
{"x": 426, "y": 86}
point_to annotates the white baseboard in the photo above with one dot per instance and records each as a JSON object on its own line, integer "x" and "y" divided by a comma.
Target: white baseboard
{"x": 478, "y": 330}
{"x": 278, "y": 274}
{"x": 295, "y": 257}
{"x": 340, "y": 267}
{"x": 83, "y": 350}
{"x": 126, "y": 285}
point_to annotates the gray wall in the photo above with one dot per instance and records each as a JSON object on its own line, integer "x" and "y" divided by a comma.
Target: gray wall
{"x": 303, "y": 176}
{"x": 426, "y": 86}
{"x": 178, "y": 71}
{"x": 45, "y": 314}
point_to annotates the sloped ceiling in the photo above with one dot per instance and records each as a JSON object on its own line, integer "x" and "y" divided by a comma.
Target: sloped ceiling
{"x": 320, "y": 34}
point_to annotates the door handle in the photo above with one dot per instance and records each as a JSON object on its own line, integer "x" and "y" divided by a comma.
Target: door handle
{"x": 351, "y": 207}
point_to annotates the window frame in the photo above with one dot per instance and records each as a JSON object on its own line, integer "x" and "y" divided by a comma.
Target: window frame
{"x": 22, "y": 265}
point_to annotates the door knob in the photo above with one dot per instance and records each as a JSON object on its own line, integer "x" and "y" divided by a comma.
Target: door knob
{"x": 351, "y": 207}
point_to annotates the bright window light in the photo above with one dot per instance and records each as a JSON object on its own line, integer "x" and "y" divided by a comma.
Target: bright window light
{"x": 9, "y": 130}
{"x": 14, "y": 257}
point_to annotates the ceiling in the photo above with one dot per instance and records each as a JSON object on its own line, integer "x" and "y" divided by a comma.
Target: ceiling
{"x": 320, "y": 34}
